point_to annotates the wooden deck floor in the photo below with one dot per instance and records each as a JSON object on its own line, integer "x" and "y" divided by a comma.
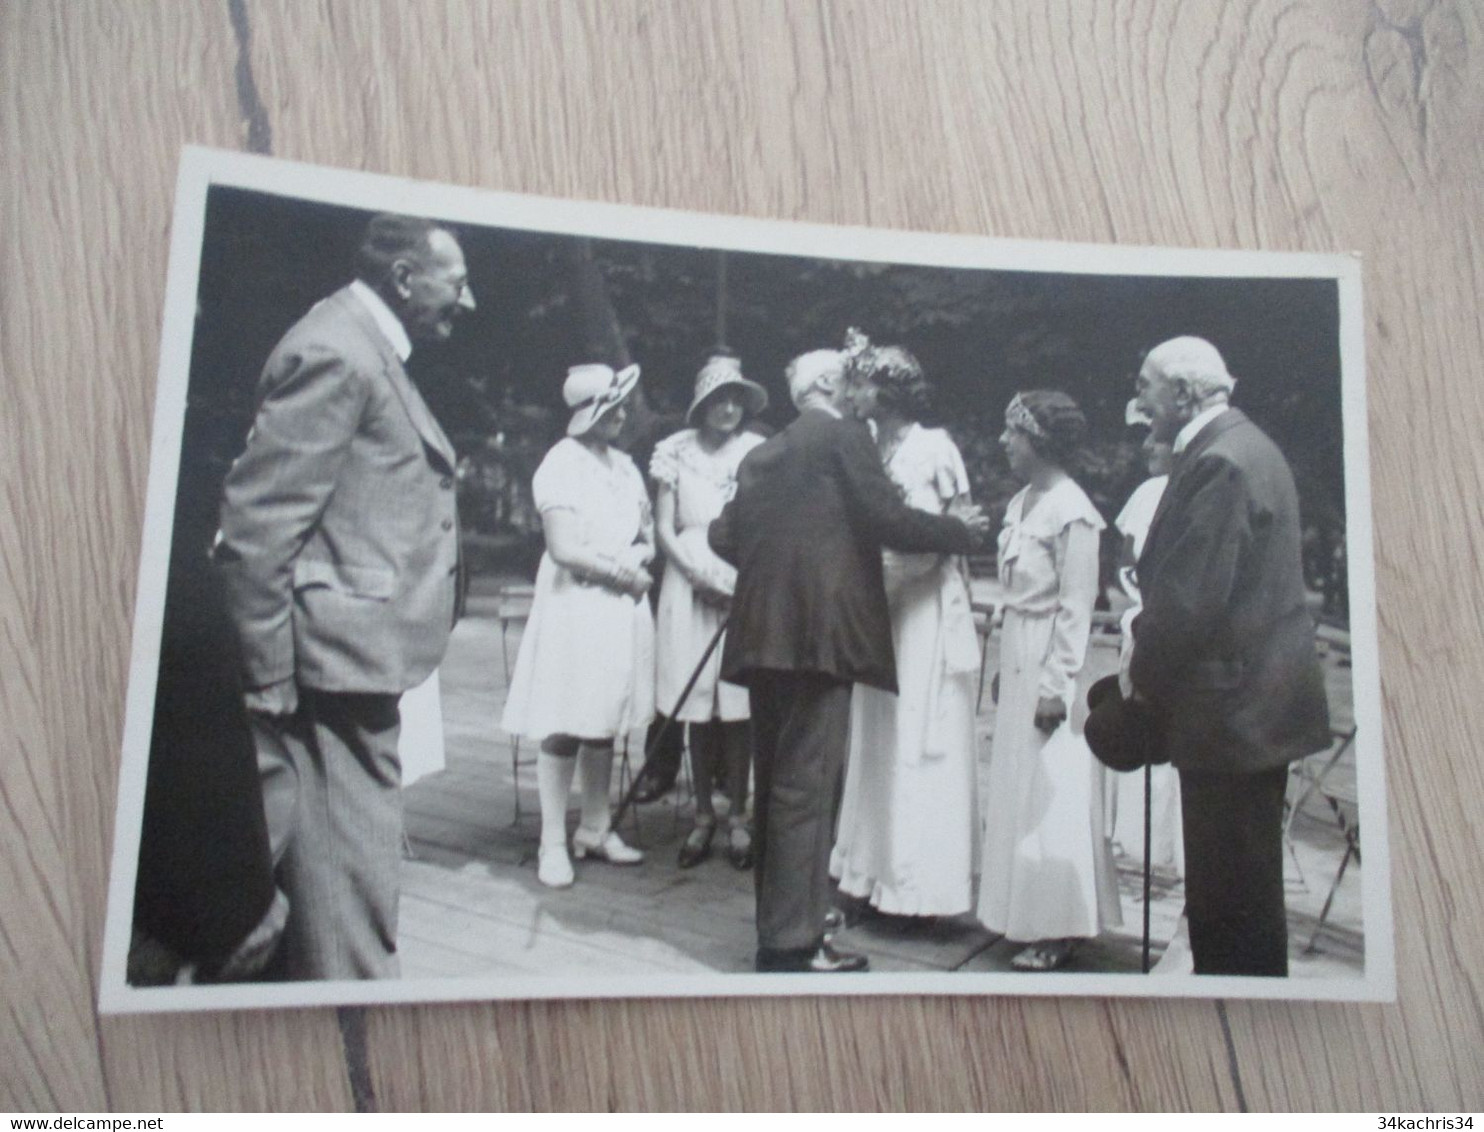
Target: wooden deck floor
{"x": 471, "y": 904}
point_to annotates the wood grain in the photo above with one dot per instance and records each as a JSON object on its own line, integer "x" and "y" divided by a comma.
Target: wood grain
{"x": 1313, "y": 126}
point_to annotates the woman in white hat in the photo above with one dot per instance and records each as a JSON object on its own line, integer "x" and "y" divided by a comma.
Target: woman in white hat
{"x": 585, "y": 672}
{"x": 696, "y": 472}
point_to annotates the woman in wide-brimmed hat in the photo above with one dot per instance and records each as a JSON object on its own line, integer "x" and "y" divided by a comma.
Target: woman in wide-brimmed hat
{"x": 585, "y": 672}
{"x": 696, "y": 473}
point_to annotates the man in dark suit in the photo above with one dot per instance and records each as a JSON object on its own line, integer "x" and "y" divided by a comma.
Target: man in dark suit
{"x": 338, "y": 550}
{"x": 1224, "y": 654}
{"x": 813, "y": 510}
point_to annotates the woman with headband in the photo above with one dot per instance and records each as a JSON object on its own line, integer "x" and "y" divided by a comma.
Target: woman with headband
{"x": 1039, "y": 876}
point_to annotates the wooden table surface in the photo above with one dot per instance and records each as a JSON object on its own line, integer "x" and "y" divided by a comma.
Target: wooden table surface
{"x": 1323, "y": 125}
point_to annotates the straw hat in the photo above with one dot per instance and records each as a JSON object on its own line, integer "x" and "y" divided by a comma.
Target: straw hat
{"x": 591, "y": 390}
{"x": 720, "y": 371}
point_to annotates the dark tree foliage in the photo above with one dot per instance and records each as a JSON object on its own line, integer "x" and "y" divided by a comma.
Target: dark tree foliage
{"x": 547, "y": 302}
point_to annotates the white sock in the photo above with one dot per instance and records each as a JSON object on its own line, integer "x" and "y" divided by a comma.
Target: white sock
{"x": 553, "y": 784}
{"x": 597, "y": 767}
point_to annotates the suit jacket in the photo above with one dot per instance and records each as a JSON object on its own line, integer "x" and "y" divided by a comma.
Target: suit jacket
{"x": 813, "y": 510}
{"x": 1224, "y": 647}
{"x": 338, "y": 542}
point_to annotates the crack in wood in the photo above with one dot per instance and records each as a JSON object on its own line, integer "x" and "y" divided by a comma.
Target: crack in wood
{"x": 254, "y": 113}
{"x": 352, "y": 1021}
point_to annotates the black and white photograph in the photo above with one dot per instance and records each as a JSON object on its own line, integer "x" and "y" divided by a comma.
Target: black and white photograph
{"x": 549, "y": 599}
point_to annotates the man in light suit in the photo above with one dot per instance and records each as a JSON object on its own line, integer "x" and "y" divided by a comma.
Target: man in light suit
{"x": 813, "y": 510}
{"x": 338, "y": 549}
{"x": 1224, "y": 653}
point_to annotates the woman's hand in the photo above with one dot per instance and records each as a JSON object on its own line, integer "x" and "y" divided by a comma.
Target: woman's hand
{"x": 631, "y": 580}
{"x": 969, "y": 514}
{"x": 641, "y": 580}
{"x": 637, "y": 557}
{"x": 712, "y": 593}
{"x": 1051, "y": 713}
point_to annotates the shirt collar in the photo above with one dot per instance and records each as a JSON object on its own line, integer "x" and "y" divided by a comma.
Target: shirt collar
{"x": 387, "y": 322}
{"x": 823, "y": 407}
{"x": 1196, "y": 423}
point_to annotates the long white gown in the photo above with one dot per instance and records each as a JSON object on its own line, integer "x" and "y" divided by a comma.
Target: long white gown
{"x": 586, "y": 661}
{"x": 703, "y": 482}
{"x": 1126, "y": 791}
{"x": 909, "y": 829}
{"x": 1044, "y": 874}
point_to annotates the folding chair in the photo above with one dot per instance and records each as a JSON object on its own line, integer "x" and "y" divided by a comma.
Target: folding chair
{"x": 513, "y": 606}
{"x": 512, "y": 603}
{"x": 1321, "y": 775}
{"x": 625, "y": 780}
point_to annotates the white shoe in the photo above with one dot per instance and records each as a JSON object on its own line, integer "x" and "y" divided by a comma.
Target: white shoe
{"x": 554, "y": 867}
{"x": 606, "y": 845}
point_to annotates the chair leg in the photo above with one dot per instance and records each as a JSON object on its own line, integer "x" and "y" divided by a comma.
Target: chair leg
{"x": 515, "y": 776}
{"x": 685, "y": 780}
{"x": 983, "y": 664}
{"x": 1350, "y": 851}
{"x": 1290, "y": 811}
{"x": 625, "y": 780}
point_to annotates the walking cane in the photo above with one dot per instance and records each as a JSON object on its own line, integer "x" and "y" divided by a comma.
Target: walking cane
{"x": 654, "y": 742}
{"x": 1148, "y": 825}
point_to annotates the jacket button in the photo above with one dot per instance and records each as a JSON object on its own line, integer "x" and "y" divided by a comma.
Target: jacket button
{"x": 446, "y": 482}
{"x": 448, "y": 524}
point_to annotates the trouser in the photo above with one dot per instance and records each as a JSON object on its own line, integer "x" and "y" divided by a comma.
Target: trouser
{"x": 332, "y": 794}
{"x": 1234, "y": 871}
{"x": 800, "y": 729}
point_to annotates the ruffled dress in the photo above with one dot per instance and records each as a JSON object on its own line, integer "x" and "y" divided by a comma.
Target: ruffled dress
{"x": 1046, "y": 871}
{"x": 909, "y": 820}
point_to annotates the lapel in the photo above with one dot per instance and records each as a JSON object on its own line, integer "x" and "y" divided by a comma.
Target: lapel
{"x": 396, "y": 375}
{"x": 1178, "y": 470}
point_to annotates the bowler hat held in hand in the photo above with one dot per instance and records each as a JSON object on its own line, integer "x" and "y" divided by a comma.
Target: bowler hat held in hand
{"x": 1124, "y": 734}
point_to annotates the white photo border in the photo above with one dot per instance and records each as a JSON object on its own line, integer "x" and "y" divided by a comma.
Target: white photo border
{"x": 202, "y": 169}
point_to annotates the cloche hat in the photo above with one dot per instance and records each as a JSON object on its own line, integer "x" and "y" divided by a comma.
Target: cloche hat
{"x": 592, "y": 389}
{"x": 720, "y": 371}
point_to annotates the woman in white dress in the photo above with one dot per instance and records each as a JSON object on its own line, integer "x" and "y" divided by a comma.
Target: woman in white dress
{"x": 696, "y": 473}
{"x": 585, "y": 671}
{"x": 908, "y": 837}
{"x": 1039, "y": 881}
{"x": 1126, "y": 817}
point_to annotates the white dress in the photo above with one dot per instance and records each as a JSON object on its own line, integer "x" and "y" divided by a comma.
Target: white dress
{"x": 1045, "y": 873}
{"x": 1126, "y": 791}
{"x": 909, "y": 818}
{"x": 703, "y": 483}
{"x": 586, "y": 661}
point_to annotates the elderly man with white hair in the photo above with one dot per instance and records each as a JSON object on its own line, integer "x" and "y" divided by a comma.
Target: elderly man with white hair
{"x": 1224, "y": 653}
{"x": 813, "y": 510}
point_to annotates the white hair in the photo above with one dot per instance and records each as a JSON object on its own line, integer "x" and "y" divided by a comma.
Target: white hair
{"x": 817, "y": 372}
{"x": 1195, "y": 362}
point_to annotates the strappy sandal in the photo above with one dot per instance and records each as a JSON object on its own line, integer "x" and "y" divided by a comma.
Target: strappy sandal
{"x": 697, "y": 845}
{"x": 1049, "y": 955}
